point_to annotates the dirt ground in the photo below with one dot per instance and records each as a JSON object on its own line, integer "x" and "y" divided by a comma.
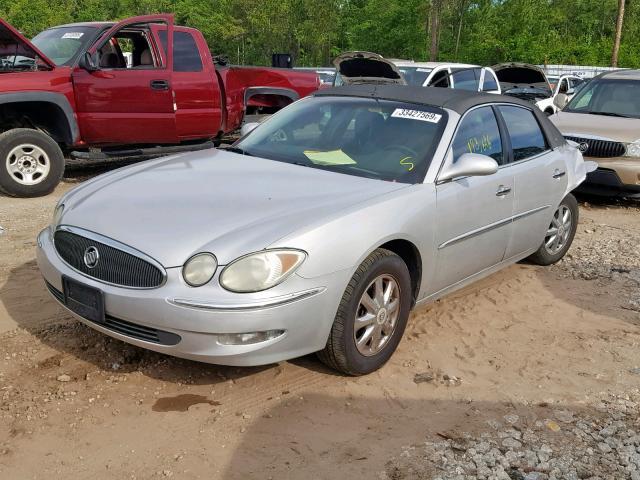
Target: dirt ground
{"x": 525, "y": 343}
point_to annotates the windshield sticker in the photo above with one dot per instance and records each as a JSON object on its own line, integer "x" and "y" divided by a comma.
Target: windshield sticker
{"x": 406, "y": 163}
{"x": 416, "y": 115}
{"x": 73, "y": 35}
{"x": 333, "y": 157}
{"x": 424, "y": 70}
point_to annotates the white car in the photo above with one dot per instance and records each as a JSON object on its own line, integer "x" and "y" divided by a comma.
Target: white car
{"x": 529, "y": 82}
{"x": 460, "y": 76}
{"x": 565, "y": 85}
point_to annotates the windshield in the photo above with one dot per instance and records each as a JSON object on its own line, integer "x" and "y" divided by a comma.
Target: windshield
{"x": 366, "y": 137}
{"x": 415, "y": 76}
{"x": 614, "y": 97}
{"x": 62, "y": 44}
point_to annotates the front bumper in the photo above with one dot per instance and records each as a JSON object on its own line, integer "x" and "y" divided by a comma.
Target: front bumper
{"x": 614, "y": 176}
{"x": 193, "y": 318}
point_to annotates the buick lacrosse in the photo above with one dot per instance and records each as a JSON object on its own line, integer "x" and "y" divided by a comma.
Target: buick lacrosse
{"x": 319, "y": 230}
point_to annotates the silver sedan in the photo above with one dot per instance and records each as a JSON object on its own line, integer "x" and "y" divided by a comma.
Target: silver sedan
{"x": 319, "y": 230}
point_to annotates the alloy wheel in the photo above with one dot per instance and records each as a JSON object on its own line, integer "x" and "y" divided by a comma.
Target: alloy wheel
{"x": 559, "y": 230}
{"x": 377, "y": 315}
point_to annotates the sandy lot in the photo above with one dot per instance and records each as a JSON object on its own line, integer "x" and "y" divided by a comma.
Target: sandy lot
{"x": 509, "y": 354}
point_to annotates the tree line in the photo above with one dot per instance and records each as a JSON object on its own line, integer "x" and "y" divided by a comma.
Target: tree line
{"x": 315, "y": 31}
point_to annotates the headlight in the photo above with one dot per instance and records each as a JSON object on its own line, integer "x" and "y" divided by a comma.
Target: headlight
{"x": 57, "y": 215}
{"x": 633, "y": 149}
{"x": 260, "y": 271}
{"x": 199, "y": 269}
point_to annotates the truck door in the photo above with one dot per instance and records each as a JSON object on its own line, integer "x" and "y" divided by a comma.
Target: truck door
{"x": 128, "y": 98}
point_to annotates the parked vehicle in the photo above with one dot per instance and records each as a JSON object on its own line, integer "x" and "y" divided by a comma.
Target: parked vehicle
{"x": 604, "y": 119}
{"x": 524, "y": 81}
{"x": 72, "y": 89}
{"x": 325, "y": 74}
{"x": 367, "y": 67}
{"x": 460, "y": 76}
{"x": 563, "y": 91}
{"x": 331, "y": 220}
{"x": 356, "y": 68}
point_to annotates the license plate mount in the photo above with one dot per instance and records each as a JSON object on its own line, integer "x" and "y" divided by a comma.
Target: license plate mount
{"x": 86, "y": 301}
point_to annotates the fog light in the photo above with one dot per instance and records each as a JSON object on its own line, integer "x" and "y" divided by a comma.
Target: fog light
{"x": 248, "y": 338}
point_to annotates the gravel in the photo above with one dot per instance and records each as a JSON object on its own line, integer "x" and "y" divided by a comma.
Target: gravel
{"x": 601, "y": 441}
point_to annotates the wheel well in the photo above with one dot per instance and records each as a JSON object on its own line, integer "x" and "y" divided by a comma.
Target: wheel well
{"x": 267, "y": 103}
{"x": 411, "y": 257}
{"x": 44, "y": 116}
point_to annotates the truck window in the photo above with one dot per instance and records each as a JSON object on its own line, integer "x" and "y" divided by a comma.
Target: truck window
{"x": 186, "y": 56}
{"x": 129, "y": 48}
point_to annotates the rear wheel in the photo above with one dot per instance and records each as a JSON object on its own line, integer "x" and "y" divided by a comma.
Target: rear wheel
{"x": 560, "y": 233}
{"x": 31, "y": 163}
{"x": 371, "y": 317}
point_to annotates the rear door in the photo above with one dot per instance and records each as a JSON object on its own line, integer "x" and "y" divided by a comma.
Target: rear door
{"x": 196, "y": 90}
{"x": 473, "y": 213}
{"x": 539, "y": 174}
{"x": 128, "y": 101}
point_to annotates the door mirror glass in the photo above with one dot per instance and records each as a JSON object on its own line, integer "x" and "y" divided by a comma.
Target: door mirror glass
{"x": 470, "y": 165}
{"x": 88, "y": 63}
{"x": 561, "y": 100}
{"x": 248, "y": 128}
{"x": 571, "y": 91}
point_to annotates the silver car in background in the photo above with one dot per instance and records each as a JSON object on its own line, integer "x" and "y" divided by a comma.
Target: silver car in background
{"x": 318, "y": 231}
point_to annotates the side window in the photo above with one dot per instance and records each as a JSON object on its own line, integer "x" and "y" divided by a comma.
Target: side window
{"x": 440, "y": 79}
{"x": 186, "y": 56}
{"x": 128, "y": 48}
{"x": 526, "y": 136}
{"x": 563, "y": 86}
{"x": 490, "y": 82}
{"x": 478, "y": 133}
{"x": 466, "y": 79}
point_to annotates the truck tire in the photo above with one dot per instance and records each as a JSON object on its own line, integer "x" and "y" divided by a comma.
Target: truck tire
{"x": 31, "y": 163}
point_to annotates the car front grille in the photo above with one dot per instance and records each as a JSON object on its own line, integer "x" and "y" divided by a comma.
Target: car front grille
{"x": 129, "y": 329}
{"x": 600, "y": 148}
{"x": 115, "y": 266}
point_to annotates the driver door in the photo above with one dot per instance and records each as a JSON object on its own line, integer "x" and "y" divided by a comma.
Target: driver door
{"x": 129, "y": 98}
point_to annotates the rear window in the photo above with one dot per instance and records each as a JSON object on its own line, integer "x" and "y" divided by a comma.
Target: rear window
{"x": 186, "y": 56}
{"x": 526, "y": 136}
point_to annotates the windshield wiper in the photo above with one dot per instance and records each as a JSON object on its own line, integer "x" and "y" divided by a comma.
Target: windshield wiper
{"x": 238, "y": 150}
{"x": 610, "y": 114}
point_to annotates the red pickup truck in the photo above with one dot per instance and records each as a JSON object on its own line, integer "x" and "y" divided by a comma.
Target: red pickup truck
{"x": 102, "y": 89}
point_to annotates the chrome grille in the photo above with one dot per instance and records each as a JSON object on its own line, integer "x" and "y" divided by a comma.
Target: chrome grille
{"x": 600, "y": 148}
{"x": 115, "y": 266}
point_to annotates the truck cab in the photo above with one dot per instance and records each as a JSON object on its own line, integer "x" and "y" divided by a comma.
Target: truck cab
{"x": 110, "y": 87}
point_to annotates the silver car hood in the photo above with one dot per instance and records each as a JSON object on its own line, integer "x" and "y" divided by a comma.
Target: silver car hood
{"x": 216, "y": 201}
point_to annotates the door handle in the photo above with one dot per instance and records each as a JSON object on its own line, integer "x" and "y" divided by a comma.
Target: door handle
{"x": 502, "y": 191}
{"x": 159, "y": 84}
{"x": 558, "y": 173}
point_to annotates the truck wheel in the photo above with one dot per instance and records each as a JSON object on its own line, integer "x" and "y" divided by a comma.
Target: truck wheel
{"x": 31, "y": 163}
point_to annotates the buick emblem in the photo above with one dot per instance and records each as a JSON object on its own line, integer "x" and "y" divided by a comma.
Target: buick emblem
{"x": 91, "y": 257}
{"x": 583, "y": 147}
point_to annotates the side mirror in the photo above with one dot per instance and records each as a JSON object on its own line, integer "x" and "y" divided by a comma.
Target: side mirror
{"x": 571, "y": 91}
{"x": 470, "y": 165}
{"x": 561, "y": 100}
{"x": 248, "y": 128}
{"x": 87, "y": 62}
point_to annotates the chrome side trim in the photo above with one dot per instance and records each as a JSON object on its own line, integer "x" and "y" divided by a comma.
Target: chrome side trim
{"x": 111, "y": 243}
{"x": 240, "y": 307}
{"x": 491, "y": 226}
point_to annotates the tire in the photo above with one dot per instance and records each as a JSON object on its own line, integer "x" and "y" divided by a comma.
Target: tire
{"x": 342, "y": 352}
{"x": 31, "y": 163}
{"x": 550, "y": 253}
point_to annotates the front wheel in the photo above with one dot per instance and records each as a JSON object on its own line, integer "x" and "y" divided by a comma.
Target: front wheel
{"x": 560, "y": 233}
{"x": 371, "y": 317}
{"x": 31, "y": 163}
